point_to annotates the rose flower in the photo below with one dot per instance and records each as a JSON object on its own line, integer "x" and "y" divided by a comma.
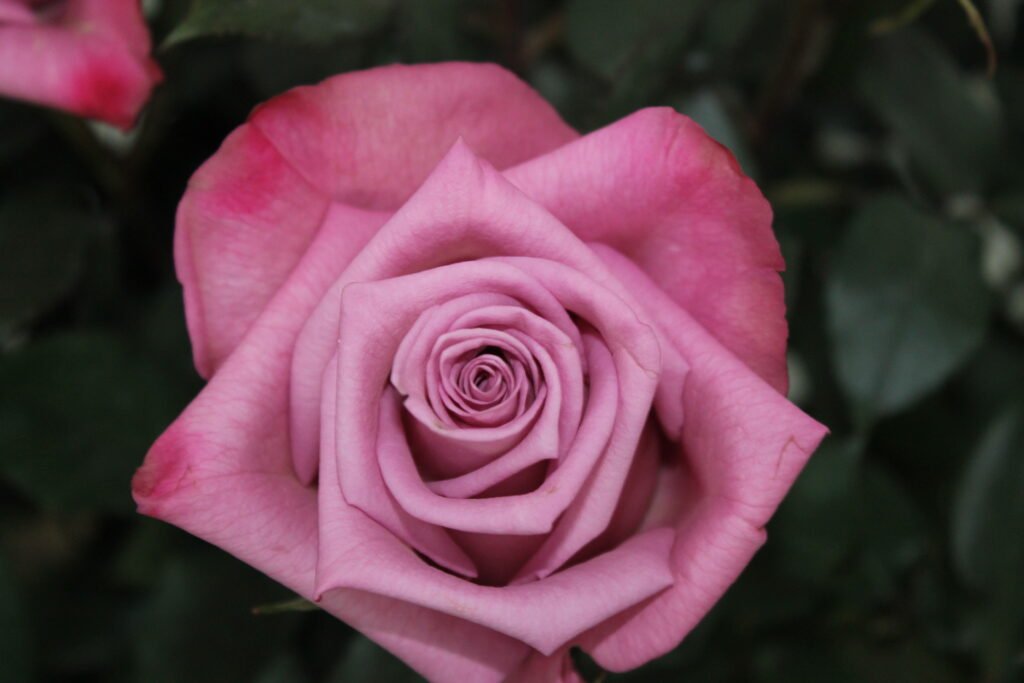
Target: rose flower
{"x": 482, "y": 388}
{"x": 89, "y": 57}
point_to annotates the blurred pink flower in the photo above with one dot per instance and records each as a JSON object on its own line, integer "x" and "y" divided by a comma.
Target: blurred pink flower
{"x": 89, "y": 57}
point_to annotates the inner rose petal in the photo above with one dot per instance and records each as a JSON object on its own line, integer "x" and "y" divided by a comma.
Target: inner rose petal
{"x": 449, "y": 357}
{"x": 529, "y": 513}
{"x": 445, "y": 448}
{"x": 524, "y": 338}
{"x": 623, "y": 366}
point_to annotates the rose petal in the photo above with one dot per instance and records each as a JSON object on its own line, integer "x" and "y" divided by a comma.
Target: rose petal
{"x": 465, "y": 210}
{"x": 745, "y": 444}
{"x": 364, "y": 363}
{"x": 269, "y": 521}
{"x": 366, "y": 557}
{"x": 658, "y": 189}
{"x": 370, "y": 138}
{"x": 222, "y": 472}
{"x": 343, "y": 139}
{"x": 429, "y": 540}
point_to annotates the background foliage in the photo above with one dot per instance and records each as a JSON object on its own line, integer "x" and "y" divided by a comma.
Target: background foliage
{"x": 895, "y": 165}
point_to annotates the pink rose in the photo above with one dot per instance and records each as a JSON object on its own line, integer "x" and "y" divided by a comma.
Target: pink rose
{"x": 90, "y": 57}
{"x": 483, "y": 388}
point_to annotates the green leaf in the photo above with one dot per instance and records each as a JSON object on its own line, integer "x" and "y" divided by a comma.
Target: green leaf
{"x": 282, "y": 669}
{"x": 14, "y": 634}
{"x": 987, "y": 532}
{"x": 610, "y": 37}
{"x": 42, "y": 250}
{"x": 310, "y": 21}
{"x": 988, "y": 517}
{"x": 709, "y": 110}
{"x": 892, "y": 528}
{"x": 77, "y": 414}
{"x": 799, "y": 661}
{"x": 950, "y": 125}
{"x": 366, "y": 662}
{"x": 813, "y": 530}
{"x": 430, "y": 31}
{"x": 198, "y": 625}
{"x": 906, "y": 305}
{"x": 899, "y": 662}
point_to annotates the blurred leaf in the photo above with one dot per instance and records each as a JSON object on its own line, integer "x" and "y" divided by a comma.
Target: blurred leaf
{"x": 429, "y": 31}
{"x": 42, "y": 251}
{"x": 198, "y": 626}
{"x": 1010, "y": 209}
{"x": 813, "y": 530}
{"x": 799, "y": 660}
{"x": 141, "y": 559}
{"x": 950, "y": 125}
{"x": 707, "y": 108}
{"x": 82, "y": 628}
{"x": 728, "y": 22}
{"x": 25, "y": 120}
{"x": 906, "y": 305}
{"x": 894, "y": 663}
{"x": 765, "y": 596}
{"x": 568, "y": 89}
{"x": 989, "y": 513}
{"x": 610, "y": 37}
{"x": 77, "y": 413}
{"x": 988, "y": 525}
{"x": 14, "y": 634}
{"x": 893, "y": 530}
{"x": 273, "y": 68}
{"x": 366, "y": 662}
{"x": 282, "y": 669}
{"x": 310, "y": 21}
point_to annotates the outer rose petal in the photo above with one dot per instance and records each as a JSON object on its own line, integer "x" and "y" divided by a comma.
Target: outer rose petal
{"x": 222, "y": 472}
{"x": 370, "y": 138}
{"x": 744, "y": 444}
{"x": 658, "y": 189}
{"x": 93, "y": 60}
{"x": 364, "y": 141}
{"x": 269, "y": 521}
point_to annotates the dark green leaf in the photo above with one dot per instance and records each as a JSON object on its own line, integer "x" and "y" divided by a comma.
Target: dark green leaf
{"x": 988, "y": 525}
{"x": 989, "y": 513}
{"x": 709, "y": 110}
{"x": 42, "y": 250}
{"x": 949, "y": 124}
{"x": 814, "y": 528}
{"x": 310, "y": 21}
{"x": 429, "y": 31}
{"x": 891, "y": 525}
{"x": 894, "y": 663}
{"x": 799, "y": 661}
{"x": 610, "y": 37}
{"x": 366, "y": 662}
{"x": 77, "y": 414}
{"x": 199, "y": 627}
{"x": 906, "y": 305}
{"x": 14, "y": 635}
{"x": 282, "y": 669}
